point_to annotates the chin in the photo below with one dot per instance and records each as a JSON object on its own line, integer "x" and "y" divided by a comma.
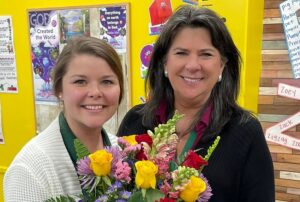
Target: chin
{"x": 94, "y": 124}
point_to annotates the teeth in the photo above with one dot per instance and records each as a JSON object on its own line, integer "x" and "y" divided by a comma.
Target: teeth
{"x": 93, "y": 107}
{"x": 191, "y": 80}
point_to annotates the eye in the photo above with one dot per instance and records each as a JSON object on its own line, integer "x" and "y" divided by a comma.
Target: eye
{"x": 80, "y": 82}
{"x": 207, "y": 54}
{"x": 180, "y": 53}
{"x": 107, "y": 82}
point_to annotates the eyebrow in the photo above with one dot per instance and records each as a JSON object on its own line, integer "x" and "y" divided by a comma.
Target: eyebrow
{"x": 201, "y": 50}
{"x": 109, "y": 76}
{"x": 102, "y": 77}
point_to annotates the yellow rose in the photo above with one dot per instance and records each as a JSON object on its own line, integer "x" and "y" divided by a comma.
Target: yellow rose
{"x": 145, "y": 176}
{"x": 130, "y": 139}
{"x": 191, "y": 191}
{"x": 101, "y": 162}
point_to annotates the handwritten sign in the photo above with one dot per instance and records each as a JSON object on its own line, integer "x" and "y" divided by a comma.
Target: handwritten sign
{"x": 275, "y": 133}
{"x": 289, "y": 10}
{"x": 288, "y": 91}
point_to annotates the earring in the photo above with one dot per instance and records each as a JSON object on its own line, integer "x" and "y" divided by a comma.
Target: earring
{"x": 166, "y": 73}
{"x": 220, "y": 78}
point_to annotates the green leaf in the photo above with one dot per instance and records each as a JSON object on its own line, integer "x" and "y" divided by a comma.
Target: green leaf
{"x": 143, "y": 193}
{"x": 81, "y": 150}
{"x": 61, "y": 199}
{"x": 106, "y": 180}
{"x": 153, "y": 195}
{"x": 136, "y": 196}
{"x": 95, "y": 184}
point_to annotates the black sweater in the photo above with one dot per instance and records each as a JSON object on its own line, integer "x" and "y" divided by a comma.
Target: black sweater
{"x": 239, "y": 170}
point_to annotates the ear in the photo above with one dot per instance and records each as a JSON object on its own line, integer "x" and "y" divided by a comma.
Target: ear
{"x": 223, "y": 65}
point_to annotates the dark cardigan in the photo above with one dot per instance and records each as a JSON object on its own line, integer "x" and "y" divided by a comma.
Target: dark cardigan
{"x": 239, "y": 170}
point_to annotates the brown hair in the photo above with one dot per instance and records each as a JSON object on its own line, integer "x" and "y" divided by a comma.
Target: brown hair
{"x": 224, "y": 94}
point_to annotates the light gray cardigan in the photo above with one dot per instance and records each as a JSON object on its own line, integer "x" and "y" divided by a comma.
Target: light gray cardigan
{"x": 42, "y": 169}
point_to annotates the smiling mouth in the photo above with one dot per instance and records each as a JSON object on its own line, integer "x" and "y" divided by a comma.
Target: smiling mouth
{"x": 93, "y": 107}
{"x": 192, "y": 80}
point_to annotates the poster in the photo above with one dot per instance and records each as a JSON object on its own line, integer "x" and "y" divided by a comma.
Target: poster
{"x": 290, "y": 13}
{"x": 44, "y": 38}
{"x": 113, "y": 26}
{"x": 8, "y": 73}
{"x": 73, "y": 23}
{"x": 49, "y": 31}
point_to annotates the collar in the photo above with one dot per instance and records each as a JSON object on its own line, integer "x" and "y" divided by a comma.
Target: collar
{"x": 161, "y": 113}
{"x": 204, "y": 121}
{"x": 69, "y": 137}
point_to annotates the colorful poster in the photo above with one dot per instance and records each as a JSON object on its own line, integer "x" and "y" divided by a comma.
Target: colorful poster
{"x": 290, "y": 13}
{"x": 44, "y": 38}
{"x": 73, "y": 23}
{"x": 8, "y": 73}
{"x": 113, "y": 26}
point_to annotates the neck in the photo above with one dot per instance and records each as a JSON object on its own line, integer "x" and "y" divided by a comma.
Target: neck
{"x": 90, "y": 138}
{"x": 187, "y": 109}
{"x": 92, "y": 142}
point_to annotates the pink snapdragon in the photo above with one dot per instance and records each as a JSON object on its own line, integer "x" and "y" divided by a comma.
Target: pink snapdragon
{"x": 123, "y": 171}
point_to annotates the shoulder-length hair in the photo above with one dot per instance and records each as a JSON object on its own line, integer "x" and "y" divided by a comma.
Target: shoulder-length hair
{"x": 224, "y": 94}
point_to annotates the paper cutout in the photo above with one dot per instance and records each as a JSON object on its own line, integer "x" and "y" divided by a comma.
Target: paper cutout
{"x": 160, "y": 11}
{"x": 145, "y": 57}
{"x": 275, "y": 133}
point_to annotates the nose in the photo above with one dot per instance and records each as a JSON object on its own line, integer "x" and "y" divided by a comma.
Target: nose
{"x": 192, "y": 63}
{"x": 94, "y": 91}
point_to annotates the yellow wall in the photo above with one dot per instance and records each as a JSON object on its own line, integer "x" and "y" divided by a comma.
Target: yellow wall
{"x": 18, "y": 118}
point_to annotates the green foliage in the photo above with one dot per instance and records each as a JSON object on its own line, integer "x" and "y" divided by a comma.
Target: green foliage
{"x": 153, "y": 195}
{"x": 81, "y": 150}
{"x": 61, "y": 199}
{"x": 164, "y": 133}
{"x": 169, "y": 127}
{"x": 212, "y": 148}
{"x": 150, "y": 196}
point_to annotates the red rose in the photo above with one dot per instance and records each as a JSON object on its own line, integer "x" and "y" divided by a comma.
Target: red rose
{"x": 166, "y": 200}
{"x": 141, "y": 155}
{"x": 144, "y": 138}
{"x": 139, "y": 139}
{"x": 193, "y": 160}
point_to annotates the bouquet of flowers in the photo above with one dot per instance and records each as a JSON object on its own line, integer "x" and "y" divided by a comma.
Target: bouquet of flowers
{"x": 143, "y": 168}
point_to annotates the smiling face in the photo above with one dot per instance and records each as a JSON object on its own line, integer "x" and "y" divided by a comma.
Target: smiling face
{"x": 193, "y": 65}
{"x": 90, "y": 92}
